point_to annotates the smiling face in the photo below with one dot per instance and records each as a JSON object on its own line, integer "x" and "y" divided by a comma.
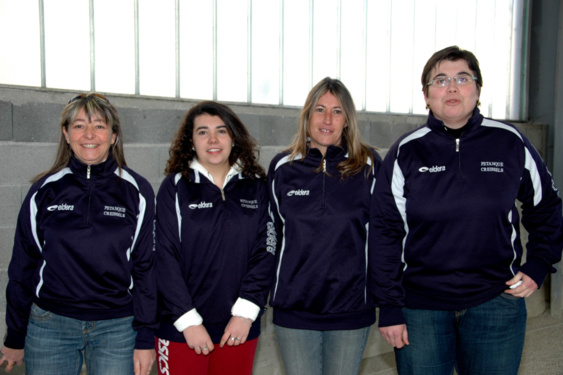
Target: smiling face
{"x": 212, "y": 142}
{"x": 452, "y": 104}
{"x": 89, "y": 138}
{"x": 327, "y": 123}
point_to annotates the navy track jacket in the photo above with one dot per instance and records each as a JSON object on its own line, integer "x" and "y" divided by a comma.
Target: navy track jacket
{"x": 446, "y": 228}
{"x": 84, "y": 249}
{"x": 215, "y": 250}
{"x": 322, "y": 257}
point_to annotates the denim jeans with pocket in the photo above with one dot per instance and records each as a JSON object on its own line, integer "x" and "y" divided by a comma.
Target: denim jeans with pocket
{"x": 55, "y": 345}
{"x": 487, "y": 339}
{"x": 308, "y": 352}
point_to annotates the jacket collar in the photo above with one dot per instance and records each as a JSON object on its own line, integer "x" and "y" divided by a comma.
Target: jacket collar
{"x": 102, "y": 169}
{"x": 196, "y": 166}
{"x": 438, "y": 125}
{"x": 332, "y": 152}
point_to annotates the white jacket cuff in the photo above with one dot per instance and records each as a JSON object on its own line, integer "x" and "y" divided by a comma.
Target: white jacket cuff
{"x": 191, "y": 318}
{"x": 245, "y": 309}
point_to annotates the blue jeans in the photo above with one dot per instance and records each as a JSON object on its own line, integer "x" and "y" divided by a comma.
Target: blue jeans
{"x": 54, "y": 345}
{"x": 306, "y": 352}
{"x": 483, "y": 340}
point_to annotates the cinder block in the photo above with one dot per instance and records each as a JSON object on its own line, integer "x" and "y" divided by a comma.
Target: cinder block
{"x": 267, "y": 153}
{"x": 163, "y": 156}
{"x": 252, "y": 123}
{"x": 21, "y": 161}
{"x": 10, "y": 195}
{"x": 384, "y": 134}
{"x": 6, "y": 247}
{"x": 365, "y": 131}
{"x": 144, "y": 159}
{"x": 277, "y": 130}
{"x": 6, "y": 131}
{"x": 37, "y": 122}
{"x": 150, "y": 125}
{"x": 8, "y": 215}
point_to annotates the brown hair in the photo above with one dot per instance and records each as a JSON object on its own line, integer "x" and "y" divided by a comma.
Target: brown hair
{"x": 245, "y": 147}
{"x": 92, "y": 103}
{"x": 452, "y": 53}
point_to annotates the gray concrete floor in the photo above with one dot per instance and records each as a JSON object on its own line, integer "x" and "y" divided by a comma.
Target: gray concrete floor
{"x": 543, "y": 349}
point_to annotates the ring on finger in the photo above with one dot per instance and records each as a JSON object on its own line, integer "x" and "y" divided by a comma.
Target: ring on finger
{"x": 237, "y": 339}
{"x": 232, "y": 338}
{"x": 204, "y": 348}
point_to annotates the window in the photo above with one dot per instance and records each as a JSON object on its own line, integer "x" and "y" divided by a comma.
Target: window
{"x": 262, "y": 51}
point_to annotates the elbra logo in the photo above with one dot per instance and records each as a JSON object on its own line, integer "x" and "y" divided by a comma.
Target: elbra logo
{"x": 433, "y": 169}
{"x": 193, "y": 206}
{"x": 297, "y": 192}
{"x": 61, "y": 207}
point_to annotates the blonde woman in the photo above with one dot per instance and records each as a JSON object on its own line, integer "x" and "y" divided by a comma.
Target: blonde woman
{"x": 320, "y": 193}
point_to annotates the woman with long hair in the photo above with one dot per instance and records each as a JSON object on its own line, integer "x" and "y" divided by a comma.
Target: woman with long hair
{"x": 320, "y": 192}
{"x": 82, "y": 282}
{"x": 215, "y": 246}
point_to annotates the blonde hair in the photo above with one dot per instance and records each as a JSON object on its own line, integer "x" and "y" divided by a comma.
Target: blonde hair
{"x": 358, "y": 151}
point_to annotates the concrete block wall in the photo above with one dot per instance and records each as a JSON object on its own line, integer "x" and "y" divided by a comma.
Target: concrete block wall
{"x": 29, "y": 125}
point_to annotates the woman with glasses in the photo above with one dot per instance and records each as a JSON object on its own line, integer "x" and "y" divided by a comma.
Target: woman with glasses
{"x": 445, "y": 233}
{"x": 215, "y": 247}
{"x": 320, "y": 192}
{"x": 82, "y": 283}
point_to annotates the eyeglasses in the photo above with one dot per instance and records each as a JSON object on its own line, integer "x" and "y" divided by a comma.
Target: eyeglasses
{"x": 463, "y": 79}
{"x": 89, "y": 95}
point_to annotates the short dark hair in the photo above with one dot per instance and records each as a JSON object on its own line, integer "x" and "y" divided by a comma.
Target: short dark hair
{"x": 452, "y": 53}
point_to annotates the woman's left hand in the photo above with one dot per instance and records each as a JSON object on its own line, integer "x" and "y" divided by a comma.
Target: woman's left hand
{"x": 236, "y": 331}
{"x": 143, "y": 360}
{"x": 525, "y": 289}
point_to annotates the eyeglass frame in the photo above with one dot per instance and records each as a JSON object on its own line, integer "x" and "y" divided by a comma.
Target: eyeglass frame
{"x": 455, "y": 78}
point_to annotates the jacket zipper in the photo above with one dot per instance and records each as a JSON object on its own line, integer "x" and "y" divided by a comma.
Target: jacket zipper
{"x": 324, "y": 186}
{"x": 89, "y": 194}
{"x": 223, "y": 194}
{"x": 459, "y": 174}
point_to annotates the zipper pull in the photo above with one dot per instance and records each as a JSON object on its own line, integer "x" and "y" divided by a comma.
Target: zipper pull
{"x": 88, "y": 172}
{"x": 223, "y": 194}
{"x": 457, "y": 145}
{"x": 324, "y": 166}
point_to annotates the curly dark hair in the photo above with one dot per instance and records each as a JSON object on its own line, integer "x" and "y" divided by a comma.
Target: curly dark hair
{"x": 245, "y": 149}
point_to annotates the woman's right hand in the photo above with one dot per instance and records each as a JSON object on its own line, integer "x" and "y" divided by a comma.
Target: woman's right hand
{"x": 11, "y": 357}
{"x": 396, "y": 336}
{"x": 198, "y": 339}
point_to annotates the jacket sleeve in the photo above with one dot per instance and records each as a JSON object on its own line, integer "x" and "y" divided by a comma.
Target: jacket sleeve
{"x": 143, "y": 272}
{"x": 275, "y": 204}
{"x": 173, "y": 291}
{"x": 541, "y": 216}
{"x": 257, "y": 281}
{"x": 387, "y": 232}
{"x": 26, "y": 258}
